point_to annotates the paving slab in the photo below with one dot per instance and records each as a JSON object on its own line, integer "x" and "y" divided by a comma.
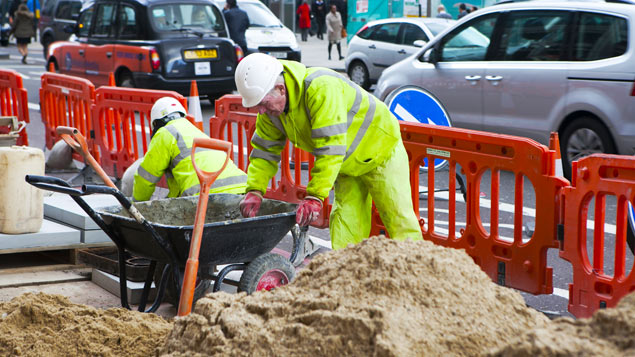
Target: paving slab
{"x": 51, "y": 234}
{"x": 41, "y": 277}
{"x": 110, "y": 283}
{"x": 62, "y": 208}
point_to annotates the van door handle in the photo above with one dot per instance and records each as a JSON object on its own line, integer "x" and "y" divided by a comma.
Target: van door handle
{"x": 401, "y": 51}
{"x": 108, "y": 54}
{"x": 81, "y": 52}
{"x": 372, "y": 46}
{"x": 473, "y": 79}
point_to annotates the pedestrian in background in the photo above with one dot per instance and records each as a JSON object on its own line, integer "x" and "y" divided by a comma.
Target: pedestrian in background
{"x": 441, "y": 13}
{"x": 334, "y": 30}
{"x": 238, "y": 23}
{"x": 342, "y": 8}
{"x": 23, "y": 29}
{"x": 318, "y": 9}
{"x": 462, "y": 10}
{"x": 304, "y": 12}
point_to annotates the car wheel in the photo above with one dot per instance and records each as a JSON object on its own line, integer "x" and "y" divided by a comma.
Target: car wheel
{"x": 582, "y": 137}
{"x": 358, "y": 73}
{"x": 46, "y": 42}
{"x": 126, "y": 80}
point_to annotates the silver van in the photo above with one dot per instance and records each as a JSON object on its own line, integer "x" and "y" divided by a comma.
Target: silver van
{"x": 530, "y": 68}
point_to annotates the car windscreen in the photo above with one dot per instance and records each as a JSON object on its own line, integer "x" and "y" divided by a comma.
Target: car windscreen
{"x": 178, "y": 17}
{"x": 259, "y": 15}
{"x": 436, "y": 27}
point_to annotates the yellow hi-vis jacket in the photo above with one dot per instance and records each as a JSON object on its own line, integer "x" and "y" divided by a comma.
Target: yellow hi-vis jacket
{"x": 170, "y": 152}
{"x": 348, "y": 130}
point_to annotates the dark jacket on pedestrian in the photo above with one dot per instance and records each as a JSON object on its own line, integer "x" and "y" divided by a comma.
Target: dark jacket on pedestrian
{"x": 238, "y": 22}
{"x": 23, "y": 23}
{"x": 318, "y": 9}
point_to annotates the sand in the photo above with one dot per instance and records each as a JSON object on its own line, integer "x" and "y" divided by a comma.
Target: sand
{"x": 379, "y": 298}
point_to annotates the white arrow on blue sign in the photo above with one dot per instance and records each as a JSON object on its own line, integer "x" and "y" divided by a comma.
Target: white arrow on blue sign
{"x": 416, "y": 105}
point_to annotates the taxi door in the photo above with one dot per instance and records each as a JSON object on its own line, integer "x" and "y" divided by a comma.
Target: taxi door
{"x": 99, "y": 52}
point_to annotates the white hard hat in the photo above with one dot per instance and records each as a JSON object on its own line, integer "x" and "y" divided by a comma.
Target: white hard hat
{"x": 164, "y": 107}
{"x": 255, "y": 76}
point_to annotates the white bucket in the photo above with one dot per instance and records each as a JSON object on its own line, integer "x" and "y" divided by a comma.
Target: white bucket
{"x": 21, "y": 205}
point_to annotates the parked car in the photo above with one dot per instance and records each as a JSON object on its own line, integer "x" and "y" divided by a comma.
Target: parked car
{"x": 382, "y": 43}
{"x": 266, "y": 32}
{"x": 530, "y": 68}
{"x": 55, "y": 15}
{"x": 158, "y": 44}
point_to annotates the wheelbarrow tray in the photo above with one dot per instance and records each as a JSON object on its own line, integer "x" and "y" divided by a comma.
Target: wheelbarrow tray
{"x": 227, "y": 236}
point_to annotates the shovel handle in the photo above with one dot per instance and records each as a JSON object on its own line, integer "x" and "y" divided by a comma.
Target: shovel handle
{"x": 207, "y": 178}
{"x": 77, "y": 142}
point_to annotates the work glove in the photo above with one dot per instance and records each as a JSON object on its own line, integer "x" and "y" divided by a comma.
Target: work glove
{"x": 250, "y": 204}
{"x": 308, "y": 210}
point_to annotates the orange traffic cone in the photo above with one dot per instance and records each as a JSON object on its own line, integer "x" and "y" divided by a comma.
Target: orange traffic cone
{"x": 111, "y": 80}
{"x": 554, "y": 144}
{"x": 51, "y": 67}
{"x": 194, "y": 105}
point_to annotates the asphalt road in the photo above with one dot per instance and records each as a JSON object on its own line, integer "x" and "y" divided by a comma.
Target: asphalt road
{"x": 554, "y": 304}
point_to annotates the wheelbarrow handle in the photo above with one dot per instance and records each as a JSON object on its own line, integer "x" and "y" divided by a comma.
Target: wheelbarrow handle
{"x": 76, "y": 140}
{"x": 205, "y": 177}
{"x": 52, "y": 184}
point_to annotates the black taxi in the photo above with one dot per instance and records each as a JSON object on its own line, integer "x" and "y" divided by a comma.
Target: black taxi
{"x": 155, "y": 44}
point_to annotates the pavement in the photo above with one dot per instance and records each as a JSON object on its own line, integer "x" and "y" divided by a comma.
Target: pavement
{"x": 315, "y": 53}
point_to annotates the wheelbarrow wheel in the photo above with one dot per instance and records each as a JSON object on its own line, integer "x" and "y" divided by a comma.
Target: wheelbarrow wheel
{"x": 266, "y": 272}
{"x": 172, "y": 294}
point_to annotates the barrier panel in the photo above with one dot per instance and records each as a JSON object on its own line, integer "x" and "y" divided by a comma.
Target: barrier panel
{"x": 14, "y": 101}
{"x": 237, "y": 124}
{"x": 67, "y": 101}
{"x": 597, "y": 177}
{"x": 516, "y": 263}
{"x": 121, "y": 118}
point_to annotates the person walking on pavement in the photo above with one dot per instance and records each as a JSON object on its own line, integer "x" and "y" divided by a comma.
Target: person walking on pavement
{"x": 318, "y": 9}
{"x": 334, "y": 30}
{"x": 170, "y": 153}
{"x": 342, "y": 8}
{"x": 304, "y": 12}
{"x": 442, "y": 14}
{"x": 238, "y": 23}
{"x": 23, "y": 29}
{"x": 355, "y": 139}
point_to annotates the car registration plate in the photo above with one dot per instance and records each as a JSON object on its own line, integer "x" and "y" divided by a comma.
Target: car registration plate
{"x": 202, "y": 69}
{"x": 278, "y": 54}
{"x": 200, "y": 54}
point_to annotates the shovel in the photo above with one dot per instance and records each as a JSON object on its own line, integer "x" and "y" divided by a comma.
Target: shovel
{"x": 206, "y": 179}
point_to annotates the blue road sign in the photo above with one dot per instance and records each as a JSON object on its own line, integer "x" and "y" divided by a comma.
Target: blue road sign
{"x": 416, "y": 105}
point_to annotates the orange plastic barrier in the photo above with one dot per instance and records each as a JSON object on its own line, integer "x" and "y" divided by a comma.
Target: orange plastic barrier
{"x": 121, "y": 119}
{"x": 14, "y": 101}
{"x": 597, "y": 177}
{"x": 67, "y": 101}
{"x": 237, "y": 124}
{"x": 518, "y": 264}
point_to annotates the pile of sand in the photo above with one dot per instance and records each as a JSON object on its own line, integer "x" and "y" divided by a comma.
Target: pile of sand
{"x": 609, "y": 333}
{"x": 380, "y": 297}
{"x": 50, "y": 325}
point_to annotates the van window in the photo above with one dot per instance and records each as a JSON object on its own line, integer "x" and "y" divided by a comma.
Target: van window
{"x": 66, "y": 9}
{"x": 468, "y": 43}
{"x": 533, "y": 36}
{"x": 600, "y": 36}
{"x": 174, "y": 17}
{"x": 259, "y": 15}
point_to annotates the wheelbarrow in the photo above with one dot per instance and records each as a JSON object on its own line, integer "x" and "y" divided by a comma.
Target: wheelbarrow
{"x": 156, "y": 231}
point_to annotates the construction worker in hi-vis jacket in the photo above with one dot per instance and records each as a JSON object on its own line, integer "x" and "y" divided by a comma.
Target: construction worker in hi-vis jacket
{"x": 170, "y": 152}
{"x": 353, "y": 136}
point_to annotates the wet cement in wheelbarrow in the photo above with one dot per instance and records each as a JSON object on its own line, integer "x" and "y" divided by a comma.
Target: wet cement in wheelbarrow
{"x": 380, "y": 297}
{"x": 182, "y": 211}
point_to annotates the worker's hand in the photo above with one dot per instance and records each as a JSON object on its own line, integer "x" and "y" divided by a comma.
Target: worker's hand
{"x": 250, "y": 205}
{"x": 308, "y": 210}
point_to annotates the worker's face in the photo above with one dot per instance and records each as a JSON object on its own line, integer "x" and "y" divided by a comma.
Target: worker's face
{"x": 274, "y": 102}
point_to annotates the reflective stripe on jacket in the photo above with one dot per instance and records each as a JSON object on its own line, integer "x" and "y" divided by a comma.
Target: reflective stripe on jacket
{"x": 170, "y": 153}
{"x": 348, "y": 130}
